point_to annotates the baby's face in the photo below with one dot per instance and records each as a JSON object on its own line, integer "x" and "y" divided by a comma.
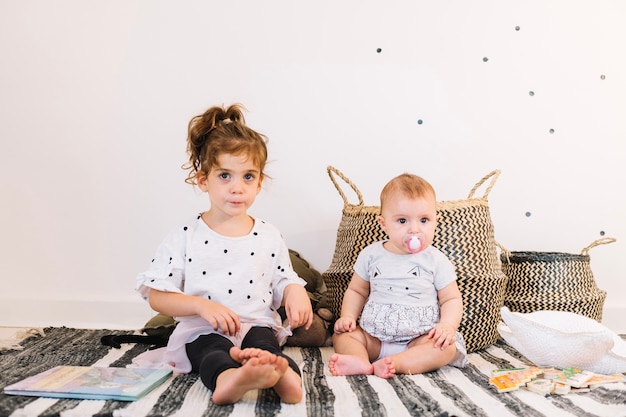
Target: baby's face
{"x": 405, "y": 216}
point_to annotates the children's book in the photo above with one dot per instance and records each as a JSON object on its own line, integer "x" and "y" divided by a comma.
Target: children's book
{"x": 574, "y": 377}
{"x": 506, "y": 380}
{"x": 91, "y": 382}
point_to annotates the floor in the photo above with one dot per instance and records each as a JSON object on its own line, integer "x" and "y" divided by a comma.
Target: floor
{"x": 10, "y": 337}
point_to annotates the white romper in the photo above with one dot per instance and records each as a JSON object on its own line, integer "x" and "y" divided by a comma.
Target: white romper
{"x": 403, "y": 303}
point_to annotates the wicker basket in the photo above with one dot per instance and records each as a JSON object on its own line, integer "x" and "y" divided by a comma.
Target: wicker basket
{"x": 358, "y": 228}
{"x": 464, "y": 233}
{"x": 553, "y": 281}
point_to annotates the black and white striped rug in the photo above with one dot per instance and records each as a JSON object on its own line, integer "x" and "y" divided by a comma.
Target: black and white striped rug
{"x": 446, "y": 392}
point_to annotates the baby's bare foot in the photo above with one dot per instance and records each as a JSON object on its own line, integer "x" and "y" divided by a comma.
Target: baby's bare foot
{"x": 349, "y": 365}
{"x": 384, "y": 368}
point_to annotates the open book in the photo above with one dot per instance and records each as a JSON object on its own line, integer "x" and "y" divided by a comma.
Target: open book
{"x": 91, "y": 382}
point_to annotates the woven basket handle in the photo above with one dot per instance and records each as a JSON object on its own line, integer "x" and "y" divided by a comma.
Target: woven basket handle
{"x": 601, "y": 241}
{"x": 332, "y": 171}
{"x": 493, "y": 175}
{"x": 504, "y": 251}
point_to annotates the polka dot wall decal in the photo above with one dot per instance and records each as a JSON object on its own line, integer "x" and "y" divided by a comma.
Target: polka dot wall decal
{"x": 485, "y": 59}
{"x": 551, "y": 131}
{"x": 517, "y": 28}
{"x": 603, "y": 77}
{"x": 379, "y": 50}
{"x": 602, "y": 233}
{"x": 528, "y": 214}
{"x": 531, "y": 93}
{"x": 185, "y": 228}
{"x": 420, "y": 121}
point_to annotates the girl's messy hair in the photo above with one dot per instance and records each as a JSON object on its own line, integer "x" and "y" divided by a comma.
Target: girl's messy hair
{"x": 220, "y": 131}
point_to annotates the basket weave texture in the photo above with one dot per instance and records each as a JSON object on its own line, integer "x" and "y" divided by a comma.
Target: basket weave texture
{"x": 464, "y": 233}
{"x": 358, "y": 228}
{"x": 553, "y": 281}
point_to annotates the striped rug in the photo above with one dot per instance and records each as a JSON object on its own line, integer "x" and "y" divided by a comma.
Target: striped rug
{"x": 446, "y": 392}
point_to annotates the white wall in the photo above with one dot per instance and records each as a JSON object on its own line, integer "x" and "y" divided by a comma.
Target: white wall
{"x": 95, "y": 98}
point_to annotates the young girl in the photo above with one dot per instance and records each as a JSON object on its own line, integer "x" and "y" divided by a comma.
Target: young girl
{"x": 404, "y": 292}
{"x": 224, "y": 274}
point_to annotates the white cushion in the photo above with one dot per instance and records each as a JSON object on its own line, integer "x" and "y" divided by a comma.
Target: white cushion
{"x": 562, "y": 339}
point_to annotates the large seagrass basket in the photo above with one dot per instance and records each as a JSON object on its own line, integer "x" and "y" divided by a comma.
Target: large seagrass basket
{"x": 553, "y": 281}
{"x": 464, "y": 233}
{"x": 358, "y": 228}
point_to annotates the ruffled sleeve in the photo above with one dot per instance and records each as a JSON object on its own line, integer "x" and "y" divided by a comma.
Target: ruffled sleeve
{"x": 284, "y": 274}
{"x": 166, "y": 272}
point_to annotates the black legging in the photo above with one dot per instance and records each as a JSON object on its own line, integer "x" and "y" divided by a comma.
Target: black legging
{"x": 210, "y": 354}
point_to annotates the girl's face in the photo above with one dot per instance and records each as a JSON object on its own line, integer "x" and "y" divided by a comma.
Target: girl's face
{"x": 402, "y": 216}
{"x": 232, "y": 185}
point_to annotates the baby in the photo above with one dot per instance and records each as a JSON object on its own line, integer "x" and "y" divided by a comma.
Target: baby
{"x": 402, "y": 308}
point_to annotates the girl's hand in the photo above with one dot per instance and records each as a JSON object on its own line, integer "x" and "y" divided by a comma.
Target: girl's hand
{"x": 176, "y": 304}
{"x": 345, "y": 325}
{"x": 443, "y": 335}
{"x": 297, "y": 306}
{"x": 221, "y": 318}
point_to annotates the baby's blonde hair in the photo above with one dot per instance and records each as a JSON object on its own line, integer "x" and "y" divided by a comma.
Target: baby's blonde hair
{"x": 408, "y": 185}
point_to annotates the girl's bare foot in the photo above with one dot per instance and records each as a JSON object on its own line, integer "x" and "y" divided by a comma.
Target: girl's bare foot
{"x": 260, "y": 369}
{"x": 349, "y": 365}
{"x": 289, "y": 386}
{"x": 242, "y": 355}
{"x": 384, "y": 368}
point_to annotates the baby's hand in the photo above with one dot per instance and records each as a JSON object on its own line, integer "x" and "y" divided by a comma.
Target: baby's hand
{"x": 220, "y": 317}
{"x": 345, "y": 324}
{"x": 442, "y": 335}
